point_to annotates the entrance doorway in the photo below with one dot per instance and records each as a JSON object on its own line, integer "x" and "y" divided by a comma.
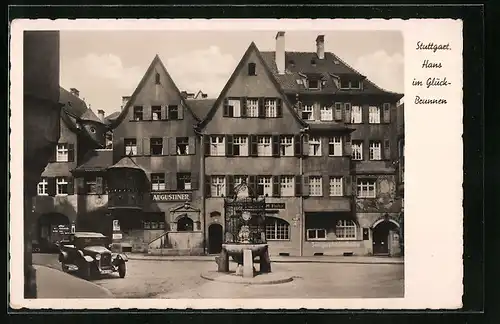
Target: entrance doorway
{"x": 214, "y": 238}
{"x": 381, "y": 241}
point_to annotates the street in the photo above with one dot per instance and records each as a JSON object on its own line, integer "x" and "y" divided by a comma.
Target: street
{"x": 181, "y": 279}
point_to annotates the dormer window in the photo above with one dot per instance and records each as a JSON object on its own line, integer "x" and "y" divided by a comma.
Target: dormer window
{"x": 350, "y": 84}
{"x": 355, "y": 84}
{"x": 313, "y": 84}
{"x": 251, "y": 69}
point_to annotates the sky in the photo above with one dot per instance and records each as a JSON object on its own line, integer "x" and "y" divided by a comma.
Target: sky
{"x": 106, "y": 65}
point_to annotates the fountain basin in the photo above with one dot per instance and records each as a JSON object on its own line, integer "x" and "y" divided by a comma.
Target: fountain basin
{"x": 234, "y": 248}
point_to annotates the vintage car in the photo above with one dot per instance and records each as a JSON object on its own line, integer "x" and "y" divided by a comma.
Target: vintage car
{"x": 88, "y": 254}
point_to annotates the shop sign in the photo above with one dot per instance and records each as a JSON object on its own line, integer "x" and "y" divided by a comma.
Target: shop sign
{"x": 116, "y": 225}
{"x": 275, "y": 205}
{"x": 117, "y": 236}
{"x": 248, "y": 205}
{"x": 61, "y": 229}
{"x": 172, "y": 196}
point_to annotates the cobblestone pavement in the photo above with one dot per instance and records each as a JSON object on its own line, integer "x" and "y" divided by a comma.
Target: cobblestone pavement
{"x": 176, "y": 279}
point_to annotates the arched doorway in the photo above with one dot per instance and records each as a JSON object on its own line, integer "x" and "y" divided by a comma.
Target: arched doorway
{"x": 185, "y": 224}
{"x": 51, "y": 228}
{"x": 214, "y": 238}
{"x": 382, "y": 236}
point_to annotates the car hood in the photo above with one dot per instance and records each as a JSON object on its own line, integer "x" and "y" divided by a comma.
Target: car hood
{"x": 96, "y": 249}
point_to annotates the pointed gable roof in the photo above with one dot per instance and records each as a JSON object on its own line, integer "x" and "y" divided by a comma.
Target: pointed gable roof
{"x": 126, "y": 163}
{"x": 244, "y": 59}
{"x": 114, "y": 123}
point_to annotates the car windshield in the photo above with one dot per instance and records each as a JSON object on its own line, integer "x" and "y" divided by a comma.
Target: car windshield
{"x": 90, "y": 241}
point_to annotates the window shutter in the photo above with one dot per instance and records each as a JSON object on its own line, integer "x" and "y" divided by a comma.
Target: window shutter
{"x": 316, "y": 111}
{"x": 276, "y": 186}
{"x": 71, "y": 152}
{"x": 279, "y": 108}
{"x": 139, "y": 146}
{"x": 326, "y": 185}
{"x": 297, "y": 145}
{"x": 261, "y": 112}
{"x": 229, "y": 145}
{"x": 206, "y": 145}
{"x": 171, "y": 180}
{"x": 180, "y": 111}
{"x": 253, "y": 145}
{"x": 208, "y": 186}
{"x": 80, "y": 185}
{"x": 347, "y": 113}
{"x": 386, "y": 112}
{"x": 347, "y": 185}
{"x": 305, "y": 145}
{"x": 195, "y": 180}
{"x": 99, "y": 185}
{"x": 230, "y": 185}
{"x": 51, "y": 186}
{"x": 172, "y": 146}
{"x": 71, "y": 186}
{"x": 276, "y": 145}
{"x": 252, "y": 184}
{"x": 165, "y": 145}
{"x": 298, "y": 185}
{"x": 305, "y": 186}
{"x": 338, "y": 111}
{"x": 225, "y": 108}
{"x": 192, "y": 145}
{"x": 347, "y": 145}
{"x": 146, "y": 146}
{"x": 146, "y": 112}
{"x": 164, "y": 111}
{"x": 243, "y": 106}
{"x": 387, "y": 149}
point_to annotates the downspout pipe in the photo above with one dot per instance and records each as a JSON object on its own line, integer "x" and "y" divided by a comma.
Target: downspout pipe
{"x": 202, "y": 185}
{"x": 302, "y": 219}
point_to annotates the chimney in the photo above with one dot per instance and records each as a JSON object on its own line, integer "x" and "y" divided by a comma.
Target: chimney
{"x": 125, "y": 100}
{"x": 100, "y": 114}
{"x": 280, "y": 52}
{"x": 75, "y": 92}
{"x": 320, "y": 46}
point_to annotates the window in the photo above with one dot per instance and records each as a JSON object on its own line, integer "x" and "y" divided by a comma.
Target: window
{"x": 109, "y": 140}
{"x": 335, "y": 146}
{"x": 277, "y": 229}
{"x": 157, "y": 78}
{"x": 356, "y": 115}
{"x": 240, "y": 146}
{"x": 251, "y": 69}
{"x": 218, "y": 187}
{"x": 355, "y": 84}
{"x": 253, "y": 107}
{"x": 173, "y": 112}
{"x": 182, "y": 145}
{"x": 375, "y": 150}
{"x": 270, "y": 107}
{"x": 374, "y": 115}
{"x": 217, "y": 146}
{"x": 234, "y": 105}
{"x": 264, "y": 146}
{"x": 366, "y": 188}
{"x": 156, "y": 146}
{"x": 137, "y": 113}
{"x": 91, "y": 185}
{"x": 61, "y": 186}
{"x": 314, "y": 146}
{"x": 336, "y": 187}
{"x": 313, "y": 84}
{"x": 130, "y": 146}
{"x": 183, "y": 181}
{"x": 344, "y": 84}
{"x": 316, "y": 234}
{"x": 307, "y": 112}
{"x": 350, "y": 84}
{"x": 42, "y": 187}
{"x": 357, "y": 150}
{"x": 238, "y": 180}
{"x": 338, "y": 111}
{"x": 286, "y": 145}
{"x": 345, "y": 229}
{"x": 62, "y": 153}
{"x": 326, "y": 113}
{"x": 156, "y": 111}
{"x": 265, "y": 185}
{"x": 158, "y": 181}
{"x": 287, "y": 186}
{"x": 315, "y": 186}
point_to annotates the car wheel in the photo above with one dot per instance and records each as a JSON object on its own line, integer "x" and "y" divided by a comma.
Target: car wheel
{"x": 85, "y": 271}
{"x": 122, "y": 270}
{"x": 64, "y": 267}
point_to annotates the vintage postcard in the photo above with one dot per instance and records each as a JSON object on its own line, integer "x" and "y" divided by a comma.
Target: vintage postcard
{"x": 256, "y": 164}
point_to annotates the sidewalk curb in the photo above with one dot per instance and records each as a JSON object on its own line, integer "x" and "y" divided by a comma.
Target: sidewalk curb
{"x": 273, "y": 261}
{"x": 106, "y": 291}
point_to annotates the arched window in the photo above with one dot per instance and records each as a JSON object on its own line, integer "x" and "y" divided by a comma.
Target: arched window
{"x": 185, "y": 224}
{"x": 251, "y": 69}
{"x": 277, "y": 229}
{"x": 346, "y": 229}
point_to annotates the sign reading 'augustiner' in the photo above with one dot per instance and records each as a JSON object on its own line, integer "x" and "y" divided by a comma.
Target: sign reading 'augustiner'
{"x": 171, "y": 196}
